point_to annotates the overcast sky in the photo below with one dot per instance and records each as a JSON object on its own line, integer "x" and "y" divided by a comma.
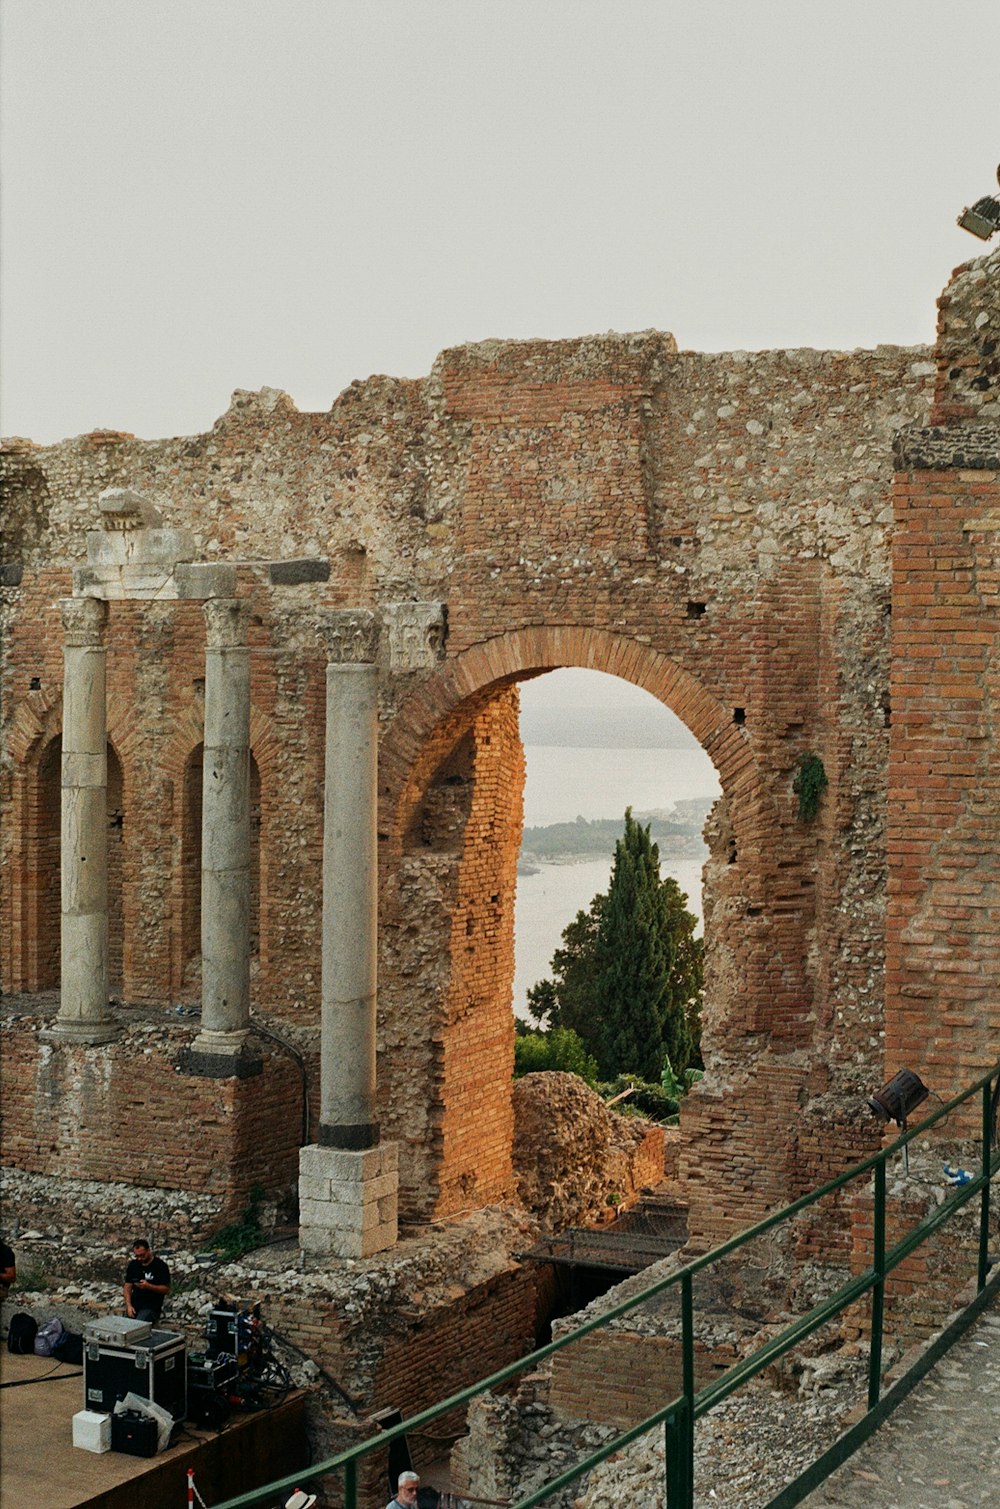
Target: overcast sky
{"x": 201, "y": 195}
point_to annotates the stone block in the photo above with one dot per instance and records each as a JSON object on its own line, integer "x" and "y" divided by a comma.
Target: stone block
{"x": 313, "y": 1187}
{"x": 365, "y": 1192}
{"x": 139, "y": 547}
{"x": 345, "y": 1166}
{"x": 297, "y": 573}
{"x": 316, "y": 1240}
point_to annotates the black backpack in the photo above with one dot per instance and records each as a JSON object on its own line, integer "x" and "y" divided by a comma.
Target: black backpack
{"x": 69, "y": 1347}
{"x": 22, "y": 1332}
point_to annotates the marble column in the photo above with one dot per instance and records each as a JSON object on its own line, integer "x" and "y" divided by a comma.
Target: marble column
{"x": 348, "y": 1182}
{"x": 347, "y": 1054}
{"x": 83, "y": 1006}
{"x": 225, "y": 838}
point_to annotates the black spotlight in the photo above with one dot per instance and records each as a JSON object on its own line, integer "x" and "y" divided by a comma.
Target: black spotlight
{"x": 983, "y": 217}
{"x": 894, "y": 1102}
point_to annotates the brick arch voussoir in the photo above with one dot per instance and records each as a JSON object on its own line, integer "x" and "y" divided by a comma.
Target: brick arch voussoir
{"x": 189, "y": 732}
{"x": 35, "y": 723}
{"x": 520, "y": 653}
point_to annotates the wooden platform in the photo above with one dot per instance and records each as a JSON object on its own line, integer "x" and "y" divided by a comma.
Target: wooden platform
{"x": 39, "y": 1464}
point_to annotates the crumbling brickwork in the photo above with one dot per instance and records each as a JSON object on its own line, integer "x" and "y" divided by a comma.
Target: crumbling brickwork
{"x": 942, "y": 960}
{"x": 714, "y": 528}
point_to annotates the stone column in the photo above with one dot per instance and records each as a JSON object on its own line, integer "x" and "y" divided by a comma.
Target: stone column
{"x": 348, "y": 1182}
{"x": 83, "y": 1006}
{"x": 225, "y": 844}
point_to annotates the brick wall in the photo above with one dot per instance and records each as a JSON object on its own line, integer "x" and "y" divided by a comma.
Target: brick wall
{"x": 712, "y": 528}
{"x": 421, "y": 1354}
{"x": 124, "y": 1113}
{"x": 621, "y": 1377}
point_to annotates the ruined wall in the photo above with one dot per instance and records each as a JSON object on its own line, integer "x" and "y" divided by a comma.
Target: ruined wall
{"x": 943, "y": 963}
{"x": 123, "y": 1112}
{"x": 713, "y": 528}
{"x": 575, "y": 1160}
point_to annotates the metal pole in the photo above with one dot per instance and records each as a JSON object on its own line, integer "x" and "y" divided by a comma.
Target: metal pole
{"x": 679, "y": 1425}
{"x": 984, "y": 1209}
{"x": 878, "y": 1291}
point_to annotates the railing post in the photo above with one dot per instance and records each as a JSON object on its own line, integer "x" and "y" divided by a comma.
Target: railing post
{"x": 878, "y": 1290}
{"x": 351, "y": 1484}
{"x": 678, "y": 1441}
{"x": 984, "y": 1208}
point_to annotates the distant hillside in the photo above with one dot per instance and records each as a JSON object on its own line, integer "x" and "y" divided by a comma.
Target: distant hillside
{"x": 650, "y": 727}
{"x": 678, "y": 834}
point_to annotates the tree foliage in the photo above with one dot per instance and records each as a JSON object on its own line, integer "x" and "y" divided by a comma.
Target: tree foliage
{"x": 628, "y": 977}
{"x": 559, "y": 1048}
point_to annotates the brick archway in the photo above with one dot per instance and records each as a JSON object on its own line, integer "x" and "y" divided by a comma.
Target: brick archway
{"x": 451, "y": 783}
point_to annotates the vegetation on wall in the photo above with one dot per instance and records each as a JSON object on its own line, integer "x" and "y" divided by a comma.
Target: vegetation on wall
{"x": 809, "y": 784}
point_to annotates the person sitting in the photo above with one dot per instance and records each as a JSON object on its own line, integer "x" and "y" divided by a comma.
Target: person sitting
{"x": 8, "y": 1270}
{"x": 147, "y": 1283}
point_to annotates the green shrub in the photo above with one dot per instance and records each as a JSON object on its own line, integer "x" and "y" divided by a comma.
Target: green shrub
{"x": 240, "y": 1236}
{"x": 647, "y": 1099}
{"x": 559, "y": 1048}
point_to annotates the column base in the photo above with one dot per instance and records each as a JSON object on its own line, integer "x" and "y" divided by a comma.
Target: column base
{"x": 348, "y": 1201}
{"x": 75, "y": 1030}
{"x": 221, "y": 1055}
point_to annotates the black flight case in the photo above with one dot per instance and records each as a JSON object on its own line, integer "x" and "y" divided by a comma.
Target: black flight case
{"x": 154, "y": 1368}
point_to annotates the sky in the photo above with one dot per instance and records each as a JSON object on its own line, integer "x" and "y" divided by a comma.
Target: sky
{"x": 203, "y": 195}
{"x": 209, "y": 194}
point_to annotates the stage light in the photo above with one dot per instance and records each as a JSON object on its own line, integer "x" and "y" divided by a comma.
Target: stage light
{"x": 894, "y": 1102}
{"x": 983, "y": 217}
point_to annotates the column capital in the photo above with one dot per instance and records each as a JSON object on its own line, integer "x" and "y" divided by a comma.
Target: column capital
{"x": 417, "y": 632}
{"x": 84, "y": 620}
{"x": 226, "y": 623}
{"x": 350, "y": 635}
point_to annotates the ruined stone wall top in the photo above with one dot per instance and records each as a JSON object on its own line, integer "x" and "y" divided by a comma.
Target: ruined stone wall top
{"x": 968, "y": 345}
{"x": 746, "y": 457}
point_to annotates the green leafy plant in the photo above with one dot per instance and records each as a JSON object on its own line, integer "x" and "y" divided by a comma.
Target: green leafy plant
{"x": 560, "y": 1048}
{"x": 646, "y": 1099}
{"x": 240, "y": 1236}
{"x": 31, "y": 1279}
{"x": 809, "y": 784}
{"x": 674, "y": 1086}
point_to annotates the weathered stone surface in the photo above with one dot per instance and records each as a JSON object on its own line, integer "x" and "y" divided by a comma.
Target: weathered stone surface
{"x": 575, "y": 1160}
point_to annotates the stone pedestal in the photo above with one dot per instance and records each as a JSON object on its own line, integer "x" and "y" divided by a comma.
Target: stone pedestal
{"x": 83, "y": 1005}
{"x": 348, "y": 1200}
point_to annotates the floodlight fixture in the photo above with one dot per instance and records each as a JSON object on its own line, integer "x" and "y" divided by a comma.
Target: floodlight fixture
{"x": 894, "y": 1102}
{"x": 983, "y": 217}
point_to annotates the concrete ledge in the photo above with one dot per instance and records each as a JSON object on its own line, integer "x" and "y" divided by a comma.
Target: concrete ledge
{"x": 975, "y": 446}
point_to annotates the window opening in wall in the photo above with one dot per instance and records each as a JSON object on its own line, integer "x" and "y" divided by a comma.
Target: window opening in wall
{"x": 594, "y": 745}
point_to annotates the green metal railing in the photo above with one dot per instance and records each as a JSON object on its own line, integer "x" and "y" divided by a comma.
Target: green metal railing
{"x": 679, "y": 1415}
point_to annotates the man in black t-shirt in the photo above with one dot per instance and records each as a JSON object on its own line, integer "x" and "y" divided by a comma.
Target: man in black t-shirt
{"x": 8, "y": 1269}
{"x": 147, "y": 1283}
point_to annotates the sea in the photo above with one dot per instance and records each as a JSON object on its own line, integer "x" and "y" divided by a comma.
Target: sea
{"x": 567, "y": 781}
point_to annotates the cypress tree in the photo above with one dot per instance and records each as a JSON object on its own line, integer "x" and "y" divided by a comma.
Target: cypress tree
{"x": 628, "y": 977}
